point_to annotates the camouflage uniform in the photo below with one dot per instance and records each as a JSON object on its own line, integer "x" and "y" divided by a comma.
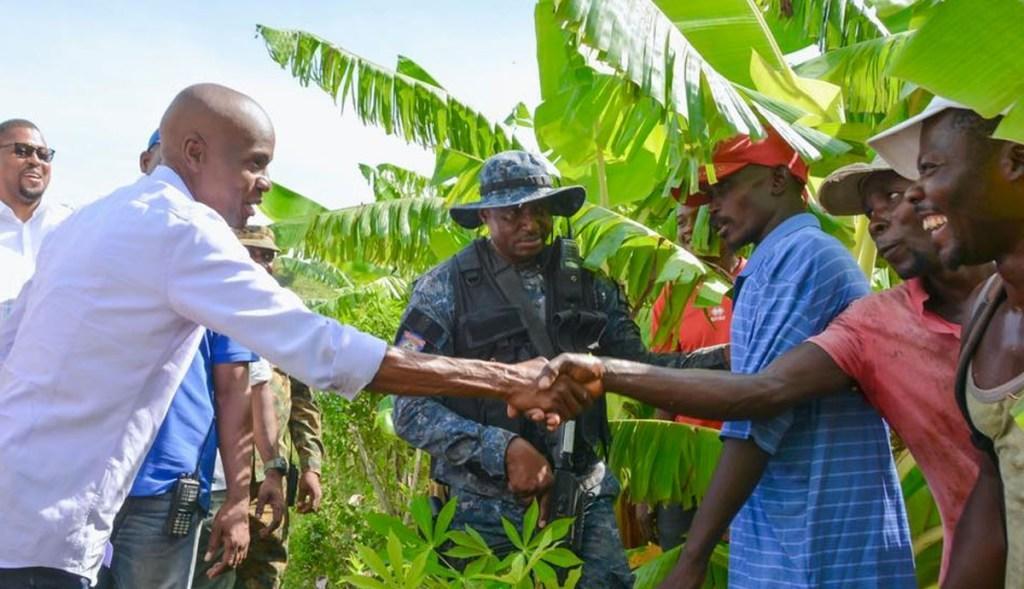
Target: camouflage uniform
{"x": 460, "y": 446}
{"x": 298, "y": 420}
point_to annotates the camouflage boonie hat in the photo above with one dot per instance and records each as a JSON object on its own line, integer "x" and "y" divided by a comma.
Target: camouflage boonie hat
{"x": 256, "y": 236}
{"x": 513, "y": 178}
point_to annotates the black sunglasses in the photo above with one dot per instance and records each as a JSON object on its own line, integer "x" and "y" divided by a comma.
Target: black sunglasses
{"x": 25, "y": 151}
{"x": 262, "y": 254}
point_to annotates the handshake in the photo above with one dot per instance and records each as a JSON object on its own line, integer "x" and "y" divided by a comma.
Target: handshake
{"x": 556, "y": 390}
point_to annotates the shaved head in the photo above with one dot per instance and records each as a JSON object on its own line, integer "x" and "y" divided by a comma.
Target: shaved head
{"x": 220, "y": 142}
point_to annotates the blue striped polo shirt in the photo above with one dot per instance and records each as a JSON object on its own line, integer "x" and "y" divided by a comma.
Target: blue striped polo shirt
{"x": 828, "y": 511}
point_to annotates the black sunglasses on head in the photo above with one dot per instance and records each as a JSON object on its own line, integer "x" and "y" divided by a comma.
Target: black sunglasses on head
{"x": 25, "y": 151}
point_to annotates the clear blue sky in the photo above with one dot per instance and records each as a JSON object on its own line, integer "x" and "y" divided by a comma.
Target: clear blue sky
{"x": 96, "y": 77}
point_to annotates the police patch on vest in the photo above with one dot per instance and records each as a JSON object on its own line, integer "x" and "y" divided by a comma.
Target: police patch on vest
{"x": 411, "y": 341}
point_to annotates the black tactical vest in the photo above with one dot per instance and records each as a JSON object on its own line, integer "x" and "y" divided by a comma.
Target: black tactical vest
{"x": 488, "y": 326}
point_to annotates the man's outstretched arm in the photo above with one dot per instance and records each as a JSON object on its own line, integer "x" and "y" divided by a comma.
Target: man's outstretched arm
{"x": 803, "y": 373}
{"x": 528, "y": 387}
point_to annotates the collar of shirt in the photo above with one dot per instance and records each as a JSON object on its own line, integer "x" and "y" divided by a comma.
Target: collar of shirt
{"x": 535, "y": 266}
{"x": 917, "y": 296}
{"x": 7, "y": 213}
{"x": 763, "y": 250}
{"x": 164, "y": 174}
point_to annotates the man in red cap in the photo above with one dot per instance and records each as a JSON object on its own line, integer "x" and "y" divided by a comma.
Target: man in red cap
{"x": 811, "y": 492}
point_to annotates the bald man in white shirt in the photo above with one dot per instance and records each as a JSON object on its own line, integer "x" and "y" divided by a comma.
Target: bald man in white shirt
{"x": 101, "y": 336}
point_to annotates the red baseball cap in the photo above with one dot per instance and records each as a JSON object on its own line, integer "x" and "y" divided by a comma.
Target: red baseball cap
{"x": 732, "y": 155}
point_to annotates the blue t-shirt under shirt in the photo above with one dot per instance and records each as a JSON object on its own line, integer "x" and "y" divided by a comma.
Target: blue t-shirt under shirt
{"x": 188, "y": 429}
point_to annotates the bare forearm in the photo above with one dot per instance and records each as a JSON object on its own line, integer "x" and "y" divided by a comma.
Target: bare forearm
{"x": 803, "y": 373}
{"x": 738, "y": 472}
{"x": 708, "y": 394}
{"x": 978, "y": 559}
{"x": 264, "y": 421}
{"x": 234, "y": 428}
{"x": 419, "y": 375}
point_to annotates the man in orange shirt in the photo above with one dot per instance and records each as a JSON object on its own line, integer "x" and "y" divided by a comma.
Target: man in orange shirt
{"x": 699, "y": 327}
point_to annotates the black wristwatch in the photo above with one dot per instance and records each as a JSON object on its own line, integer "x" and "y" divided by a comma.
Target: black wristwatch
{"x": 278, "y": 463}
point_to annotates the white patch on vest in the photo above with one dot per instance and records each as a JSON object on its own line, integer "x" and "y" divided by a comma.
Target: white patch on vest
{"x": 412, "y": 341}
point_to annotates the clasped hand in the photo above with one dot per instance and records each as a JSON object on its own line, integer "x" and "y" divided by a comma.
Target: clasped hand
{"x": 558, "y": 389}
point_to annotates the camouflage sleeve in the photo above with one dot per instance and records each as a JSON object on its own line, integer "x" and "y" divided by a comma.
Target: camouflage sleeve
{"x": 424, "y": 422}
{"x": 622, "y": 337}
{"x": 304, "y": 428}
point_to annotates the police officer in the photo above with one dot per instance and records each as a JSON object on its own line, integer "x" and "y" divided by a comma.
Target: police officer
{"x": 511, "y": 297}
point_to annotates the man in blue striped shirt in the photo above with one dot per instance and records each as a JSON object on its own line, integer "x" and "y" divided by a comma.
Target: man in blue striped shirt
{"x": 814, "y": 491}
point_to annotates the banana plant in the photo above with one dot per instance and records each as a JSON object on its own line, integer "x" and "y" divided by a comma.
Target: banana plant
{"x": 409, "y": 105}
{"x": 972, "y": 56}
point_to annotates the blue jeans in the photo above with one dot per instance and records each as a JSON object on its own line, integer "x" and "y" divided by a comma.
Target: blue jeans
{"x": 144, "y": 556}
{"x": 41, "y": 578}
{"x": 225, "y": 580}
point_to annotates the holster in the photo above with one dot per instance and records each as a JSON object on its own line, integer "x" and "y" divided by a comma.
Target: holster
{"x": 292, "y": 487}
{"x": 567, "y": 501}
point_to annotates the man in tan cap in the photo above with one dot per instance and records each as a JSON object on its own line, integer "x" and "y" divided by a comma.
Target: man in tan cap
{"x": 286, "y": 414}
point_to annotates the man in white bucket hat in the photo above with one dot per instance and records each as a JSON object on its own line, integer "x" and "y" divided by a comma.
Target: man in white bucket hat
{"x": 969, "y": 195}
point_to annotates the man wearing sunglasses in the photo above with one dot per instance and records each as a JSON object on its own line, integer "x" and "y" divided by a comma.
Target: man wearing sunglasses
{"x": 24, "y": 218}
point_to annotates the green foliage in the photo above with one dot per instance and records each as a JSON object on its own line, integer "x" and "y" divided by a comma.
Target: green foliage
{"x": 706, "y": 22}
{"x": 829, "y": 24}
{"x": 403, "y": 105}
{"x": 924, "y": 519}
{"x": 432, "y": 555}
{"x": 960, "y": 42}
{"x": 366, "y": 469}
{"x": 391, "y": 182}
{"x": 663, "y": 461}
{"x": 400, "y": 234}
{"x": 862, "y": 70}
{"x": 653, "y": 573}
{"x": 637, "y": 39}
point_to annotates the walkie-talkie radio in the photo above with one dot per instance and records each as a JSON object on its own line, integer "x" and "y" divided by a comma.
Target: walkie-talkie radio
{"x": 184, "y": 507}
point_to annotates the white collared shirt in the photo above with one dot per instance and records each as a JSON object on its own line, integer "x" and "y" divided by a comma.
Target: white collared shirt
{"x": 19, "y": 245}
{"x": 100, "y": 339}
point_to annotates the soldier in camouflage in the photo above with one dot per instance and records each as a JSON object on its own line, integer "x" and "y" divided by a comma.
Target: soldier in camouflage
{"x": 286, "y": 409}
{"x": 513, "y": 296}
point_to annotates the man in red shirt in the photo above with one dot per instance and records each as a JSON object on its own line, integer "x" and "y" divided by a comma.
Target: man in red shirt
{"x": 900, "y": 345}
{"x": 699, "y": 327}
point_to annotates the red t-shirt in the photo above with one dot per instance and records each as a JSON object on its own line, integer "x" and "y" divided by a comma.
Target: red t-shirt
{"x": 904, "y": 359}
{"x": 699, "y": 327}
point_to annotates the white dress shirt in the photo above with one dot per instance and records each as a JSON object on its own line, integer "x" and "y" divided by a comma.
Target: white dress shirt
{"x": 99, "y": 341}
{"x": 19, "y": 245}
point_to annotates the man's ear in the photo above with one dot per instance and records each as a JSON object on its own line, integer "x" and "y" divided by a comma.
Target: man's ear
{"x": 1012, "y": 161}
{"x": 195, "y": 150}
{"x": 780, "y": 180}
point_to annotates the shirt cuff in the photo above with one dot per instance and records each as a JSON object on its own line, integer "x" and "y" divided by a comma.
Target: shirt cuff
{"x": 309, "y": 465}
{"x": 357, "y": 359}
{"x": 494, "y": 443}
